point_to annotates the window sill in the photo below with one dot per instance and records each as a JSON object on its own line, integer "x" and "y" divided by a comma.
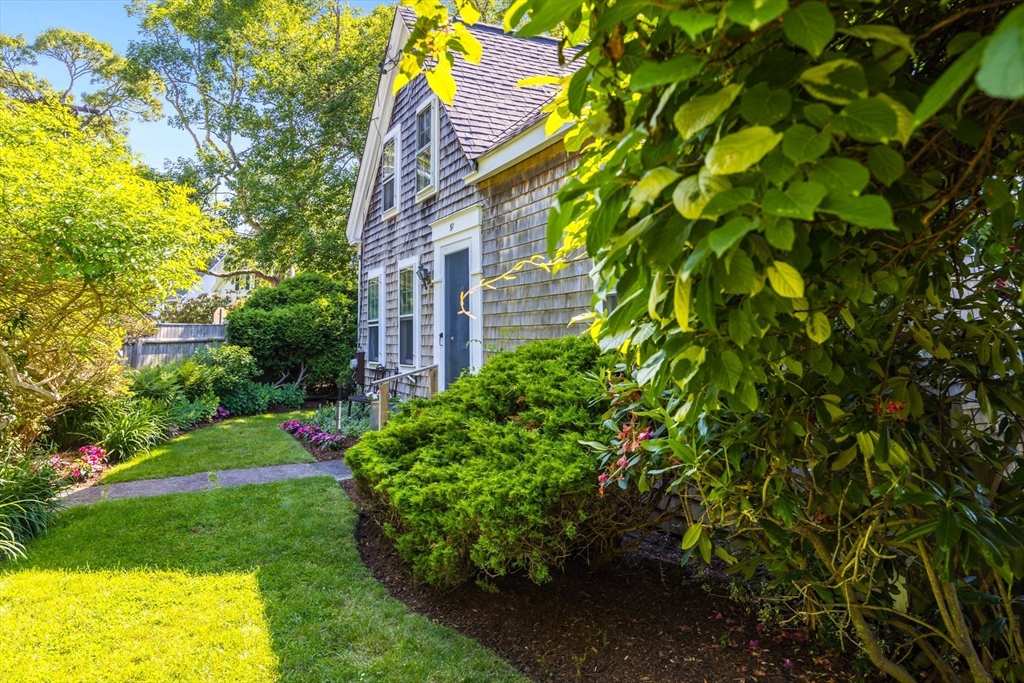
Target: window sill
{"x": 423, "y": 195}
{"x": 389, "y": 214}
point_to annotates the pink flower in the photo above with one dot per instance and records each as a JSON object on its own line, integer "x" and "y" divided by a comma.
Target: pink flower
{"x": 623, "y": 463}
{"x": 1014, "y": 250}
{"x": 719, "y": 617}
{"x": 603, "y": 479}
{"x": 76, "y": 473}
{"x": 759, "y": 628}
{"x": 788, "y": 663}
{"x": 55, "y": 461}
{"x": 754, "y": 644}
{"x": 645, "y": 435}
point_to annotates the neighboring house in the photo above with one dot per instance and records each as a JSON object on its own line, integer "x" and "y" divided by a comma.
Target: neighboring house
{"x": 448, "y": 196}
{"x": 235, "y": 287}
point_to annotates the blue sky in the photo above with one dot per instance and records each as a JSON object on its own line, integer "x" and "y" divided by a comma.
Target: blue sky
{"x": 104, "y": 20}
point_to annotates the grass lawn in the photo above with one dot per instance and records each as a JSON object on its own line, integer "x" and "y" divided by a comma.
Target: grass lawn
{"x": 254, "y": 584}
{"x": 252, "y": 441}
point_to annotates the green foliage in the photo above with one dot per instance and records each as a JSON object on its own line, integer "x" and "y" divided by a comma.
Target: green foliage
{"x": 288, "y": 396}
{"x": 129, "y": 427}
{"x": 818, "y": 277}
{"x": 351, "y": 425}
{"x": 185, "y": 414}
{"x": 190, "y": 379}
{"x": 197, "y": 310}
{"x": 28, "y": 497}
{"x": 490, "y": 476}
{"x": 85, "y": 245}
{"x": 247, "y": 398}
{"x": 303, "y": 329}
{"x": 295, "y": 80}
{"x": 230, "y": 365}
{"x": 125, "y": 91}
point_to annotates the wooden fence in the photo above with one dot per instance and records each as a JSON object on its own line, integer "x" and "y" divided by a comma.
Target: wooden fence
{"x": 171, "y": 342}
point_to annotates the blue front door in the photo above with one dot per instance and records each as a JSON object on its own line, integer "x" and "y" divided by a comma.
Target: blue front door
{"x": 456, "y": 323}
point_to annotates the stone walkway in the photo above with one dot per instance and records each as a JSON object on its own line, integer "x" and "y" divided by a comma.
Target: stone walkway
{"x": 206, "y": 481}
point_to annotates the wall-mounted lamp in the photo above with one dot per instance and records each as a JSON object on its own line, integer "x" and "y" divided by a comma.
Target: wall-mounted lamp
{"x": 424, "y": 274}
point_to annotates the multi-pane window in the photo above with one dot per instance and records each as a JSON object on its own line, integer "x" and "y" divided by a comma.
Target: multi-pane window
{"x": 424, "y": 149}
{"x": 389, "y": 180}
{"x": 373, "y": 320}
{"x": 406, "y": 324}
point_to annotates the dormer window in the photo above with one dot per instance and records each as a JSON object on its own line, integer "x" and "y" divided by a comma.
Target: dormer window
{"x": 426, "y": 148}
{"x": 389, "y": 177}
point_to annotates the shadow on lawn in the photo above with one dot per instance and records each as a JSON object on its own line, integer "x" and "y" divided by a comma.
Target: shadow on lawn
{"x": 257, "y": 583}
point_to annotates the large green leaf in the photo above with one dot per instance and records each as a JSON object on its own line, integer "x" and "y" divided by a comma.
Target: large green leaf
{"x": 728, "y": 200}
{"x": 693, "y": 21}
{"x": 700, "y": 112}
{"x": 840, "y": 81}
{"x": 651, "y": 74}
{"x": 810, "y": 26}
{"x": 737, "y": 152}
{"x": 948, "y": 83}
{"x": 841, "y": 176}
{"x": 1001, "y": 73}
{"x": 869, "y": 211}
{"x": 819, "y": 329}
{"x": 869, "y": 120}
{"x": 948, "y": 529}
{"x": 721, "y": 239}
{"x": 884, "y": 32}
{"x": 786, "y": 280}
{"x": 799, "y": 200}
{"x": 762, "y": 106}
{"x": 754, "y": 15}
{"x": 886, "y": 164}
{"x": 802, "y": 143}
{"x": 649, "y": 187}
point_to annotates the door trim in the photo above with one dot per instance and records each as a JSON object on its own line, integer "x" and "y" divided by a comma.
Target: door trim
{"x": 455, "y": 232}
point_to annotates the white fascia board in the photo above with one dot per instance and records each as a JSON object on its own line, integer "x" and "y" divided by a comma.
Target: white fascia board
{"x": 523, "y": 146}
{"x": 379, "y": 120}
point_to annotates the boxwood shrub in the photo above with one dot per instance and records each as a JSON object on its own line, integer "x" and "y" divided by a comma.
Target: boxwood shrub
{"x": 490, "y": 476}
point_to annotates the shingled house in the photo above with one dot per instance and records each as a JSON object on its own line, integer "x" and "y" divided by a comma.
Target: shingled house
{"x": 448, "y": 195}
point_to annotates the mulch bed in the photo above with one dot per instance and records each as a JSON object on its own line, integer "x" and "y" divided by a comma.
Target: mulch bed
{"x": 325, "y": 454}
{"x": 641, "y": 618}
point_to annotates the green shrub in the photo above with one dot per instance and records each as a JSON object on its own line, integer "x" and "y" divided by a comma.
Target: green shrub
{"x": 28, "y": 497}
{"x": 351, "y": 425}
{"x": 289, "y": 396}
{"x": 185, "y": 414}
{"x": 129, "y": 427}
{"x": 490, "y": 476}
{"x": 304, "y": 326}
{"x": 247, "y": 398}
{"x": 187, "y": 378}
{"x": 197, "y": 310}
{"x": 230, "y": 367}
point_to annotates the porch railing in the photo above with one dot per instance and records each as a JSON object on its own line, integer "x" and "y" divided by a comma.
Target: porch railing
{"x": 385, "y": 388}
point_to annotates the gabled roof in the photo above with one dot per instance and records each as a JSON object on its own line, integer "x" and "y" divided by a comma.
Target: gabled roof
{"x": 488, "y": 110}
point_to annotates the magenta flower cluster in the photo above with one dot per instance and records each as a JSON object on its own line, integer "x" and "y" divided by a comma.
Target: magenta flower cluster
{"x": 89, "y": 460}
{"x": 313, "y": 434}
{"x": 221, "y": 413}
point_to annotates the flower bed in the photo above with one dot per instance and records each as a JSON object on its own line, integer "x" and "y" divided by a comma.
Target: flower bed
{"x": 321, "y": 443}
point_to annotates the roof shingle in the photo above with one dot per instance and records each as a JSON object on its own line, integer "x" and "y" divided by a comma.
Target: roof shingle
{"x": 488, "y": 108}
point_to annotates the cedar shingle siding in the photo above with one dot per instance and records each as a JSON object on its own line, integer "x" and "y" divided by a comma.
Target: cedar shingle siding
{"x": 533, "y": 305}
{"x": 488, "y": 111}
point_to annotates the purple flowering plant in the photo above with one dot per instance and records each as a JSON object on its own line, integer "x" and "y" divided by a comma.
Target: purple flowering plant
{"x": 313, "y": 434}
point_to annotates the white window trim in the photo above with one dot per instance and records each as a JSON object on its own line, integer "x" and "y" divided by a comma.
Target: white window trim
{"x": 394, "y": 210}
{"x": 430, "y": 190}
{"x": 382, "y": 346}
{"x": 410, "y": 263}
{"x": 452, "y": 233}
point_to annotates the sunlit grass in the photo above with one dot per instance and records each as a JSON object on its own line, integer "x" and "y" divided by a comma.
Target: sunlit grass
{"x": 133, "y": 625}
{"x": 252, "y": 441}
{"x": 247, "y": 584}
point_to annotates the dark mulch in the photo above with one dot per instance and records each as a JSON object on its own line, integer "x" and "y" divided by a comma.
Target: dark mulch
{"x": 325, "y": 454}
{"x": 641, "y": 618}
